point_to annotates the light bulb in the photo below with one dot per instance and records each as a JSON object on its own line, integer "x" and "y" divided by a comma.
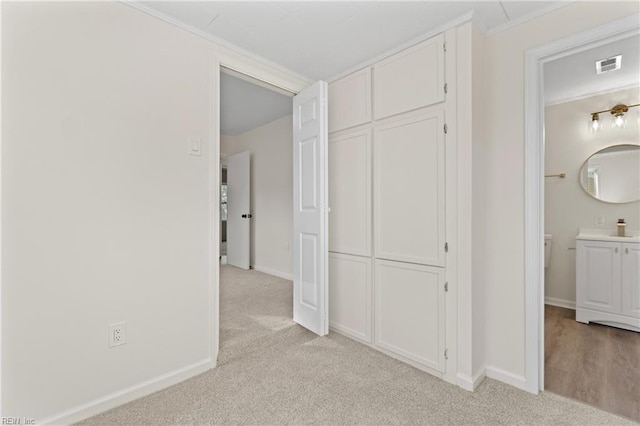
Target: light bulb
{"x": 619, "y": 121}
{"x": 594, "y": 123}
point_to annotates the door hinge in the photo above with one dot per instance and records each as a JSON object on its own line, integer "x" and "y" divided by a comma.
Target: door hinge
{"x": 444, "y": 46}
{"x": 446, "y": 247}
{"x": 446, "y": 286}
{"x": 446, "y": 88}
{"x": 446, "y": 128}
{"x": 446, "y": 354}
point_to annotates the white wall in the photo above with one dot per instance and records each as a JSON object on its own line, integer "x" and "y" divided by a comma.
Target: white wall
{"x": 504, "y": 177}
{"x": 104, "y": 216}
{"x": 271, "y": 192}
{"x": 471, "y": 238}
{"x": 567, "y": 206}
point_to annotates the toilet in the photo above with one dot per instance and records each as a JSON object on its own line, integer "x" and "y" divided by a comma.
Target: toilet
{"x": 547, "y": 249}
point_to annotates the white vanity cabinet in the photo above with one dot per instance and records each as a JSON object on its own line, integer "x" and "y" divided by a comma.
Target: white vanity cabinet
{"x": 630, "y": 279}
{"x": 608, "y": 281}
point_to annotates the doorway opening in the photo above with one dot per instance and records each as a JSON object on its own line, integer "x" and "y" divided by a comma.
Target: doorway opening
{"x": 256, "y": 206}
{"x": 592, "y": 179}
{"x": 567, "y": 355}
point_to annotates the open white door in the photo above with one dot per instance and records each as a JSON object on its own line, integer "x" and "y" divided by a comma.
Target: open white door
{"x": 238, "y": 209}
{"x": 310, "y": 224}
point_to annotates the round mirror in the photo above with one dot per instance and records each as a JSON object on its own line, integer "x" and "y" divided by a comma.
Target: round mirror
{"x": 613, "y": 174}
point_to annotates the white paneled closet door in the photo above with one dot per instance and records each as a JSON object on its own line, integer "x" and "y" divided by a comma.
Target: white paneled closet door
{"x": 350, "y": 193}
{"x": 409, "y": 189}
{"x": 350, "y": 101}
{"x": 388, "y": 192}
{"x": 350, "y": 295}
{"x": 350, "y": 241}
{"x": 411, "y": 79}
{"x": 409, "y": 304}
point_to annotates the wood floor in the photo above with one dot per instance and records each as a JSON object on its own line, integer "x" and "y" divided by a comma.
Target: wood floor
{"x": 593, "y": 363}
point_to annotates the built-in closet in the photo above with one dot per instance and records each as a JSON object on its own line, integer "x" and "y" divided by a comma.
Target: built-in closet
{"x": 387, "y": 189}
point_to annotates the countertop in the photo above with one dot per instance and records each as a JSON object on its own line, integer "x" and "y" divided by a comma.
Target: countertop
{"x": 632, "y": 236}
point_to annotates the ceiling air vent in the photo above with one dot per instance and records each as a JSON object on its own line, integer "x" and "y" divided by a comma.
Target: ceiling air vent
{"x": 609, "y": 64}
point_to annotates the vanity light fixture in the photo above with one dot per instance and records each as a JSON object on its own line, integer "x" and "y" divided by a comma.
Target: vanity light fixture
{"x": 619, "y": 121}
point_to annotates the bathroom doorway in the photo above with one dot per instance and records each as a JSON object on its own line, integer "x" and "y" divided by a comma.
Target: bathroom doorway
{"x": 591, "y": 343}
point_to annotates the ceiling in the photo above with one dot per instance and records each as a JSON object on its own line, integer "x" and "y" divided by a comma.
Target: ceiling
{"x": 321, "y": 40}
{"x": 575, "y": 76}
{"x": 245, "y": 106}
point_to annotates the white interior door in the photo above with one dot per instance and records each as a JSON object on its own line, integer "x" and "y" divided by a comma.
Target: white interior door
{"x": 310, "y": 225}
{"x": 238, "y": 209}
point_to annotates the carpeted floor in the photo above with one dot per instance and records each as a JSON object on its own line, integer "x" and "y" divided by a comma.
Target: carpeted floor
{"x": 272, "y": 371}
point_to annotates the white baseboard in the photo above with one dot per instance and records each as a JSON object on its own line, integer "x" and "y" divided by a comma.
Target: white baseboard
{"x": 471, "y": 383}
{"x": 129, "y": 394}
{"x": 515, "y": 380}
{"x": 562, "y": 303}
{"x": 273, "y": 272}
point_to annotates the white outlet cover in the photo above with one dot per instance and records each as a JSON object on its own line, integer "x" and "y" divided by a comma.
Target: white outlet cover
{"x": 117, "y": 334}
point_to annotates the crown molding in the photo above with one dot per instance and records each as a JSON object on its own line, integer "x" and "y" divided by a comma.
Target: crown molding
{"x": 528, "y": 17}
{"x": 140, "y": 6}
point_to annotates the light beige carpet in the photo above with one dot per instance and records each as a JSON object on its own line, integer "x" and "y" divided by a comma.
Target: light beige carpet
{"x": 272, "y": 371}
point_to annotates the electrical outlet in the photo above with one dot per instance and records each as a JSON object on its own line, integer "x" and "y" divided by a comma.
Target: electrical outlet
{"x": 600, "y": 221}
{"x": 117, "y": 334}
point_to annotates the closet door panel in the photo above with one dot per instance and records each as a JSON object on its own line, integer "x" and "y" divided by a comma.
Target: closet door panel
{"x": 409, "y": 189}
{"x": 350, "y": 193}
{"x": 350, "y": 292}
{"x": 350, "y": 101}
{"x": 411, "y": 79}
{"x": 409, "y": 306}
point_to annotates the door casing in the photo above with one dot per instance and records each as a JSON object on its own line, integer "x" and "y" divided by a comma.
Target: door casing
{"x": 286, "y": 83}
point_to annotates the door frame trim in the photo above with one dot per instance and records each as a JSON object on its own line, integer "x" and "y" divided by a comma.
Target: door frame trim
{"x": 268, "y": 76}
{"x": 535, "y": 59}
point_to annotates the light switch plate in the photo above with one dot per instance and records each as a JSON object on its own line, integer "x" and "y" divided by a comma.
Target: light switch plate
{"x": 194, "y": 146}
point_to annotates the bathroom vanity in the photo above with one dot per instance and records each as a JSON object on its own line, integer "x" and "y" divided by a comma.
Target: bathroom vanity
{"x": 608, "y": 278}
